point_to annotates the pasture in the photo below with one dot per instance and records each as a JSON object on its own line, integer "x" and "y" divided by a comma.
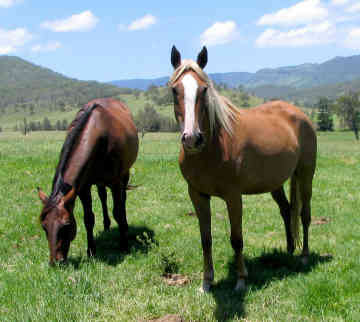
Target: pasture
{"x": 165, "y": 239}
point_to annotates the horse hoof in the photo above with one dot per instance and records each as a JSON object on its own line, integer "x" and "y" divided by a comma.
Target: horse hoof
{"x": 240, "y": 285}
{"x": 91, "y": 252}
{"x": 290, "y": 250}
{"x": 205, "y": 288}
{"x": 304, "y": 260}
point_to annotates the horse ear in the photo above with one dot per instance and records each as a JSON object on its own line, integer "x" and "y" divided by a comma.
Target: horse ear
{"x": 202, "y": 58}
{"x": 175, "y": 57}
{"x": 43, "y": 197}
{"x": 70, "y": 195}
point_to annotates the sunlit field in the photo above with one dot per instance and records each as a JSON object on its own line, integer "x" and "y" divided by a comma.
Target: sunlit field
{"x": 165, "y": 239}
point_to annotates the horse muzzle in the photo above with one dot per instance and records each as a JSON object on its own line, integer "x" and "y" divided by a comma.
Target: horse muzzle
{"x": 193, "y": 143}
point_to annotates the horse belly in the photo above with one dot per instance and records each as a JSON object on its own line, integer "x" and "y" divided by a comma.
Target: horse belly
{"x": 265, "y": 174}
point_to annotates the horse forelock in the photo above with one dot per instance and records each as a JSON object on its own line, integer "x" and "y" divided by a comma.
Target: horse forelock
{"x": 220, "y": 110}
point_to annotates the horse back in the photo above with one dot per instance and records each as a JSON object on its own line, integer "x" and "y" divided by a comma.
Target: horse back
{"x": 109, "y": 142}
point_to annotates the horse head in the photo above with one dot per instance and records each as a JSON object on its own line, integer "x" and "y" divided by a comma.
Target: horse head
{"x": 189, "y": 88}
{"x": 59, "y": 224}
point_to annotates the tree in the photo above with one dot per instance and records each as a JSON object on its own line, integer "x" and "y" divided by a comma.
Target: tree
{"x": 348, "y": 108}
{"x": 325, "y": 118}
{"x": 46, "y": 124}
{"x": 58, "y": 125}
{"x": 64, "y": 124}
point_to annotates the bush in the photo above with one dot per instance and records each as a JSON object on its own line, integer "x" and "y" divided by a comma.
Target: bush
{"x": 149, "y": 120}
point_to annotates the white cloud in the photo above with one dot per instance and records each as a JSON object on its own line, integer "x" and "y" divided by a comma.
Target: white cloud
{"x": 300, "y": 37}
{"x": 11, "y": 40}
{"x": 8, "y": 3}
{"x": 354, "y": 8}
{"x": 141, "y": 23}
{"x": 51, "y": 46}
{"x": 219, "y": 33}
{"x": 339, "y": 2}
{"x": 353, "y": 39}
{"x": 307, "y": 11}
{"x": 83, "y": 21}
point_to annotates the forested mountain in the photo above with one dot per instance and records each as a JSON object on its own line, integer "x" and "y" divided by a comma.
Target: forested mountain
{"x": 23, "y": 83}
{"x": 306, "y": 96}
{"x": 338, "y": 69}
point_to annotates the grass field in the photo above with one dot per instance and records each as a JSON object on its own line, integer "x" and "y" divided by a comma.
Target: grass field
{"x": 130, "y": 287}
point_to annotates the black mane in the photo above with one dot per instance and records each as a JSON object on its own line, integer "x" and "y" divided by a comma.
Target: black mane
{"x": 58, "y": 184}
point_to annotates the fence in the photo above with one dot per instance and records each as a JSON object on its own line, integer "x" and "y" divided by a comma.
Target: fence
{"x": 159, "y": 144}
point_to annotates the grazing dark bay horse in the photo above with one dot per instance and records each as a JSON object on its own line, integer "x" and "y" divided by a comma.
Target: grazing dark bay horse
{"x": 100, "y": 148}
{"x": 227, "y": 152}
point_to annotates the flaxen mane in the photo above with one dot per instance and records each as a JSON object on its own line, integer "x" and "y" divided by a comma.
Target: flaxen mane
{"x": 220, "y": 109}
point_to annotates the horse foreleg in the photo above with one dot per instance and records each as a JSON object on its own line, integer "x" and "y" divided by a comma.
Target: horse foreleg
{"x": 119, "y": 212}
{"x": 89, "y": 219}
{"x": 234, "y": 205}
{"x": 281, "y": 200}
{"x": 201, "y": 204}
{"x": 103, "y": 198}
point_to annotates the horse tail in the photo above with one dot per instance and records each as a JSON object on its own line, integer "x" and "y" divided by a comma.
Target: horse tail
{"x": 295, "y": 209}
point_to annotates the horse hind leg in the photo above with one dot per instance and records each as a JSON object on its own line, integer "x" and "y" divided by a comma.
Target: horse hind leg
{"x": 306, "y": 194}
{"x": 280, "y": 198}
{"x": 119, "y": 211}
{"x": 103, "y": 198}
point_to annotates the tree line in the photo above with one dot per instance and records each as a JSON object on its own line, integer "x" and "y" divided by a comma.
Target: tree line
{"x": 347, "y": 109}
{"x": 44, "y": 125}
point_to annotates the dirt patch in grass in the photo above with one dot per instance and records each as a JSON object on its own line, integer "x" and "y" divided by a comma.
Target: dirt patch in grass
{"x": 320, "y": 221}
{"x": 168, "y": 318}
{"x": 176, "y": 279}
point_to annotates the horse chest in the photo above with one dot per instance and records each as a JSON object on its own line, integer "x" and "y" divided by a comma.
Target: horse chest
{"x": 206, "y": 177}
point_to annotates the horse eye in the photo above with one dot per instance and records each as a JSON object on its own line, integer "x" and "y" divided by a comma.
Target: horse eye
{"x": 174, "y": 90}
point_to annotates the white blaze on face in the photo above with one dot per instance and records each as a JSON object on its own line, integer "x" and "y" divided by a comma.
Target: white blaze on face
{"x": 190, "y": 90}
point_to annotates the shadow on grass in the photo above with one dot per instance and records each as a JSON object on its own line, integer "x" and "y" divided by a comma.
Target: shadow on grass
{"x": 109, "y": 250}
{"x": 270, "y": 266}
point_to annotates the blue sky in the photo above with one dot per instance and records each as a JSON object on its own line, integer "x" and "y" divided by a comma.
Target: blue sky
{"x": 110, "y": 40}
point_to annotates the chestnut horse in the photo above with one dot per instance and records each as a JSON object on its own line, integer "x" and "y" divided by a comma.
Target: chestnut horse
{"x": 227, "y": 152}
{"x": 100, "y": 148}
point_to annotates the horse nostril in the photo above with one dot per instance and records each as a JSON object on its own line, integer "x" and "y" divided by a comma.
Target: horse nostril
{"x": 183, "y": 138}
{"x": 199, "y": 139}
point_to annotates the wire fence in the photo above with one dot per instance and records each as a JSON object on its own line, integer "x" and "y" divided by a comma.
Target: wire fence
{"x": 159, "y": 144}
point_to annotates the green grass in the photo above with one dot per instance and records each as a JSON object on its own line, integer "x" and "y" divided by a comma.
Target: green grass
{"x": 130, "y": 287}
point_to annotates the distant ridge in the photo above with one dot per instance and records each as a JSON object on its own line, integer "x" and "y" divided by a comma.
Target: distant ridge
{"x": 22, "y": 82}
{"x": 307, "y": 75}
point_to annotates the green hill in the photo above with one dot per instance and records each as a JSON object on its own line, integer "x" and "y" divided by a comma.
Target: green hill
{"x": 33, "y": 93}
{"x": 28, "y": 90}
